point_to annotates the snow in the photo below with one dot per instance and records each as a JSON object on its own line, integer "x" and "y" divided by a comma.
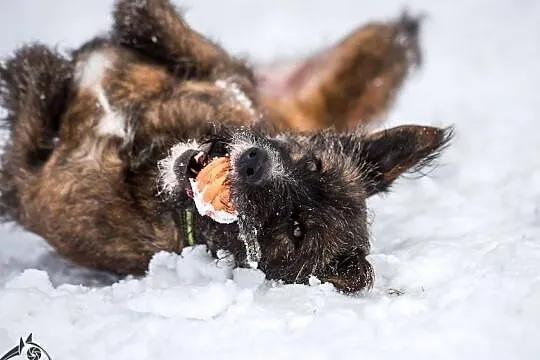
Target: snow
{"x": 237, "y": 94}
{"x": 247, "y": 233}
{"x": 463, "y": 245}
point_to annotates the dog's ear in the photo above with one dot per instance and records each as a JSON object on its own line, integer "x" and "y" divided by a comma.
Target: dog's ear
{"x": 387, "y": 154}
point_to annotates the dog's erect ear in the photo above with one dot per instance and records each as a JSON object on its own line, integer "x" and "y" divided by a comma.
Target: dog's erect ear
{"x": 352, "y": 82}
{"x": 388, "y": 154}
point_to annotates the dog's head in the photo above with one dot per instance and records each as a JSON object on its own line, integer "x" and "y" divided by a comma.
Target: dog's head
{"x": 302, "y": 198}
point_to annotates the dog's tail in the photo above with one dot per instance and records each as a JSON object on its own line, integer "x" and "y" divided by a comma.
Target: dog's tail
{"x": 34, "y": 85}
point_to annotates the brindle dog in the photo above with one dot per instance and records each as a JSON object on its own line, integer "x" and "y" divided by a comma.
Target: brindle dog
{"x": 102, "y": 146}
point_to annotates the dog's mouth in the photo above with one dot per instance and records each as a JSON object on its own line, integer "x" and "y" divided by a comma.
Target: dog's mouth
{"x": 208, "y": 173}
{"x": 222, "y": 177}
{"x": 198, "y": 160}
{"x": 203, "y": 174}
{"x": 189, "y": 164}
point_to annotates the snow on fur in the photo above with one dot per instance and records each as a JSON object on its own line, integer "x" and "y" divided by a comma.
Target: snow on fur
{"x": 167, "y": 176}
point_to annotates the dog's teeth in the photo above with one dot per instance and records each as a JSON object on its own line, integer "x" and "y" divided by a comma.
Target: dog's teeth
{"x": 199, "y": 158}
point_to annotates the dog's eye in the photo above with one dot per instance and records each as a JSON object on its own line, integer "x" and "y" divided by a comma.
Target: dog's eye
{"x": 314, "y": 164}
{"x": 297, "y": 232}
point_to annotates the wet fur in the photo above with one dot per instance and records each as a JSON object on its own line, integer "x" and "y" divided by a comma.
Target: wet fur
{"x": 81, "y": 165}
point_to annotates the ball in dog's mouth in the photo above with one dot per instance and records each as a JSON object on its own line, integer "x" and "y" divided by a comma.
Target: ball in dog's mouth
{"x": 211, "y": 192}
{"x": 211, "y": 188}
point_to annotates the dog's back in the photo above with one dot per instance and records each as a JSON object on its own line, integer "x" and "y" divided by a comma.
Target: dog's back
{"x": 86, "y": 134}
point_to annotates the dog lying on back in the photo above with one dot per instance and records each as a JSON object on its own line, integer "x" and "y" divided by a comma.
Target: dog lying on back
{"x": 103, "y": 145}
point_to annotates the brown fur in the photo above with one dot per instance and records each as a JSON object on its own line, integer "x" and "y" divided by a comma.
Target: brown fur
{"x": 93, "y": 194}
{"x": 353, "y": 82}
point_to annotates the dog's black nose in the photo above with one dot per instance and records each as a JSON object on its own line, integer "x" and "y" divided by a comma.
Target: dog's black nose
{"x": 253, "y": 166}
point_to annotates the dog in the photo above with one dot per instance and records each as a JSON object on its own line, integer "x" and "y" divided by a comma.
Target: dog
{"x": 103, "y": 145}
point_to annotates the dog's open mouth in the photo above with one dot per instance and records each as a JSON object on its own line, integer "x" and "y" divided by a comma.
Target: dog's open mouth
{"x": 197, "y": 160}
{"x": 206, "y": 175}
{"x": 208, "y": 183}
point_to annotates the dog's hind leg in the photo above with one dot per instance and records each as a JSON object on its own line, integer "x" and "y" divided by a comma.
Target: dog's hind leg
{"x": 64, "y": 170}
{"x": 351, "y": 83}
{"x": 34, "y": 86}
{"x": 86, "y": 204}
{"x": 156, "y": 29}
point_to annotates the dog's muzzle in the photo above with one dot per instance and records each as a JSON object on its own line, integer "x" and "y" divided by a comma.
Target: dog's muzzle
{"x": 253, "y": 166}
{"x": 188, "y": 165}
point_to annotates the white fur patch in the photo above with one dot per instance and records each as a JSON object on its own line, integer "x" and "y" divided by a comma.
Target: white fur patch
{"x": 236, "y": 93}
{"x": 112, "y": 122}
{"x": 167, "y": 177}
{"x": 90, "y": 74}
{"x": 91, "y": 71}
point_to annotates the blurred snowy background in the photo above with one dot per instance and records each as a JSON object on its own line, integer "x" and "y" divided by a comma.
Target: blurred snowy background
{"x": 462, "y": 245}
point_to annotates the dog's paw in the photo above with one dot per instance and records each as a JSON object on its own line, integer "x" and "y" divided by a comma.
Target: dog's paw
{"x": 407, "y": 37}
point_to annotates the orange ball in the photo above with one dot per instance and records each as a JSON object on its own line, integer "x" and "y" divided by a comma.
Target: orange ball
{"x": 214, "y": 185}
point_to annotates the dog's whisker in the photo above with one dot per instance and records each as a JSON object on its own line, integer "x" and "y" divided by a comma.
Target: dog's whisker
{"x": 105, "y": 145}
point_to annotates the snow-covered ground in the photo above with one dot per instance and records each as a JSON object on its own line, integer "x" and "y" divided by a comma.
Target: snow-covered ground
{"x": 462, "y": 245}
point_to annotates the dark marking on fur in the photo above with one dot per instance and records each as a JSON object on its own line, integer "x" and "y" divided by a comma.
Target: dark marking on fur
{"x": 81, "y": 165}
